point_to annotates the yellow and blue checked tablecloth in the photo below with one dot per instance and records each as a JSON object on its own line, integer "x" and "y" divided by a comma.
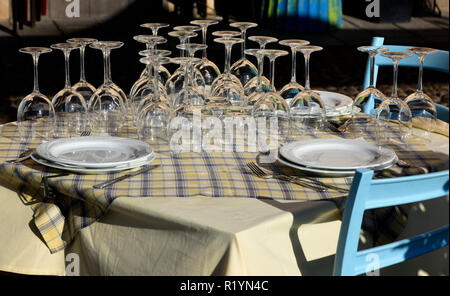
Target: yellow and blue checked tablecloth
{"x": 77, "y": 205}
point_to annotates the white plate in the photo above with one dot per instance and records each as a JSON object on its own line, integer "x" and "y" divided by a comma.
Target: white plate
{"x": 96, "y": 152}
{"x": 335, "y": 103}
{"x": 86, "y": 171}
{"x": 328, "y": 173}
{"x": 337, "y": 154}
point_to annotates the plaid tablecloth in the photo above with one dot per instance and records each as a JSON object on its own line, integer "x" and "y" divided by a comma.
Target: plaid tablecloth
{"x": 185, "y": 175}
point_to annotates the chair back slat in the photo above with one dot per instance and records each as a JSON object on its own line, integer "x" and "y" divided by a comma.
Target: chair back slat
{"x": 368, "y": 194}
{"x": 400, "y": 251}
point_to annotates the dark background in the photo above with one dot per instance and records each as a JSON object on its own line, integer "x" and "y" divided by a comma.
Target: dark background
{"x": 339, "y": 67}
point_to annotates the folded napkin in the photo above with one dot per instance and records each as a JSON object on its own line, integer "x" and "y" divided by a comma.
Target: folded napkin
{"x": 440, "y": 127}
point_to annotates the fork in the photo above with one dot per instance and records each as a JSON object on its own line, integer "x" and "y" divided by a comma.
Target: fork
{"x": 306, "y": 180}
{"x": 263, "y": 175}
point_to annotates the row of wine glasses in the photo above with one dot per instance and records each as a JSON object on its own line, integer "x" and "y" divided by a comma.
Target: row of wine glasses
{"x": 75, "y": 109}
{"x": 417, "y": 104}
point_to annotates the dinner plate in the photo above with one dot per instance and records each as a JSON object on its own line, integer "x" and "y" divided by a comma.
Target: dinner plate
{"x": 328, "y": 173}
{"x": 86, "y": 171}
{"x": 96, "y": 152}
{"x": 337, "y": 154}
{"x": 335, "y": 103}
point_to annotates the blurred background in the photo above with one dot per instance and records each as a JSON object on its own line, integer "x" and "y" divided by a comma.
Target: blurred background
{"x": 339, "y": 26}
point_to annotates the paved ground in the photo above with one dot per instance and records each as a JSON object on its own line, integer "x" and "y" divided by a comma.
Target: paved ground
{"x": 340, "y": 67}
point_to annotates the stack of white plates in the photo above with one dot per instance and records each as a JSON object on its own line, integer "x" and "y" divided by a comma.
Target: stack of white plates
{"x": 335, "y": 157}
{"x": 94, "y": 154}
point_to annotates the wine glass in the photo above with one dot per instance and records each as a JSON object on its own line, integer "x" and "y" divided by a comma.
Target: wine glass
{"x": 70, "y": 106}
{"x": 259, "y": 84}
{"x": 36, "y": 115}
{"x": 155, "y": 27}
{"x": 156, "y": 58}
{"x": 107, "y": 107}
{"x": 144, "y": 84}
{"x": 153, "y": 122}
{"x": 209, "y": 70}
{"x": 83, "y": 87}
{"x": 290, "y": 90}
{"x": 253, "y": 86}
{"x": 317, "y": 111}
{"x": 369, "y": 96}
{"x": 228, "y": 85}
{"x": 420, "y": 104}
{"x": 271, "y": 106}
{"x": 243, "y": 68}
{"x": 146, "y": 87}
{"x": 395, "y": 108}
{"x": 191, "y": 94}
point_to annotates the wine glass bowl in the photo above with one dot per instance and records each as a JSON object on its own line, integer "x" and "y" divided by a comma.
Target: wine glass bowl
{"x": 36, "y": 116}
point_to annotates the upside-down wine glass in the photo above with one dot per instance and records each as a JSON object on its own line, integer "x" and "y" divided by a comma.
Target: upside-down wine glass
{"x": 155, "y": 58}
{"x": 147, "y": 88}
{"x": 253, "y": 85}
{"x": 107, "y": 107}
{"x": 371, "y": 95}
{"x": 209, "y": 70}
{"x": 290, "y": 90}
{"x": 394, "y": 108}
{"x": 420, "y": 104}
{"x": 243, "y": 68}
{"x": 191, "y": 94}
{"x": 227, "y": 34}
{"x": 83, "y": 87}
{"x": 144, "y": 85}
{"x": 271, "y": 105}
{"x": 317, "y": 111}
{"x": 36, "y": 115}
{"x": 227, "y": 85}
{"x": 70, "y": 106}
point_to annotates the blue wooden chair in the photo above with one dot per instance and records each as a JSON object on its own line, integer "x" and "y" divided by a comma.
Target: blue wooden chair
{"x": 367, "y": 194}
{"x": 438, "y": 62}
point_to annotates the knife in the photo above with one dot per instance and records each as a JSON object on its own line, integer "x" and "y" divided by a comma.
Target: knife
{"x": 124, "y": 177}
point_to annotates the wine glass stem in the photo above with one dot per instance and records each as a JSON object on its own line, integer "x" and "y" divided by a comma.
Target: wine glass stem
{"x": 82, "y": 70}
{"x": 67, "y": 68}
{"x": 227, "y": 58}
{"x": 36, "y": 73}
{"x": 394, "y": 89}
{"x": 260, "y": 72}
{"x": 156, "y": 78}
{"x": 272, "y": 74}
{"x": 244, "y": 37}
{"x": 294, "y": 66}
{"x": 107, "y": 66}
{"x": 307, "y": 83}
{"x": 420, "y": 86}
{"x": 204, "y": 31}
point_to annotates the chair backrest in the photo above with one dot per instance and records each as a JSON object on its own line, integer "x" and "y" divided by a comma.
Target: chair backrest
{"x": 438, "y": 62}
{"x": 367, "y": 194}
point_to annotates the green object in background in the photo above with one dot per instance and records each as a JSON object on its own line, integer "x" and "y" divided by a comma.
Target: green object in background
{"x": 302, "y": 15}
